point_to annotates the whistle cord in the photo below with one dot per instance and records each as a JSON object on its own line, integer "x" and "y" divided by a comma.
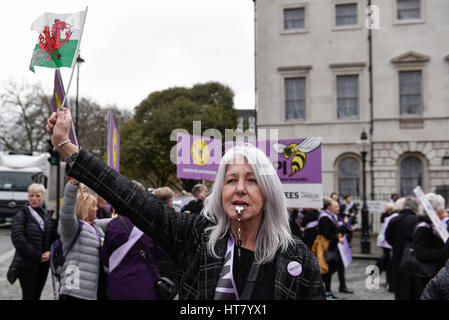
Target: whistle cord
{"x": 239, "y": 241}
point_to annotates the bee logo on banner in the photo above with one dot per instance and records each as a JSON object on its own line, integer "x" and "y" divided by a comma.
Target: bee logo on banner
{"x": 197, "y": 157}
{"x": 299, "y": 169}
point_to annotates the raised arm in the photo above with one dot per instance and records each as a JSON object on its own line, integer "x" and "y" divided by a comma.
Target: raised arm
{"x": 68, "y": 224}
{"x": 168, "y": 228}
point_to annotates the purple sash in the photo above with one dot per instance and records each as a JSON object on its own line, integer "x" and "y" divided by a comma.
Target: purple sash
{"x": 36, "y": 216}
{"x": 90, "y": 228}
{"x": 424, "y": 224}
{"x": 120, "y": 253}
{"x": 226, "y": 288}
{"x": 333, "y": 217}
{"x": 381, "y": 242}
{"x": 311, "y": 224}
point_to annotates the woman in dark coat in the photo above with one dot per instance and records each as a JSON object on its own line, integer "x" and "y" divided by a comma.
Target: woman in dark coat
{"x": 310, "y": 225}
{"x": 429, "y": 246}
{"x": 32, "y": 233}
{"x": 242, "y": 233}
{"x": 438, "y": 286}
{"x": 399, "y": 234}
{"x": 331, "y": 228}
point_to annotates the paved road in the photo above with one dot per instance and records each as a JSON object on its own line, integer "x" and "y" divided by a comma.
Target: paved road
{"x": 355, "y": 277}
{"x": 365, "y": 287}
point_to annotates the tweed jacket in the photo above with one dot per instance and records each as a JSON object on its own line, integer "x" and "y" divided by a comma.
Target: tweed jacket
{"x": 184, "y": 237}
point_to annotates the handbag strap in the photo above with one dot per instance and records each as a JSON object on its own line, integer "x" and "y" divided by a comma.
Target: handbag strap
{"x": 142, "y": 252}
{"x": 250, "y": 281}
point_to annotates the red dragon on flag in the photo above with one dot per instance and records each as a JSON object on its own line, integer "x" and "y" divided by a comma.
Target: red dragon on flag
{"x": 51, "y": 42}
{"x": 59, "y": 37}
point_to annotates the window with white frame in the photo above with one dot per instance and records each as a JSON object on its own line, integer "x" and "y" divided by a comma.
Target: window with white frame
{"x": 408, "y": 9}
{"x": 295, "y": 98}
{"x": 411, "y": 173}
{"x": 348, "y": 97}
{"x": 346, "y": 14}
{"x": 349, "y": 177}
{"x": 294, "y": 18}
{"x": 410, "y": 95}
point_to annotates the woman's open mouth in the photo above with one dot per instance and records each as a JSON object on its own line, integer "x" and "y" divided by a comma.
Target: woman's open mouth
{"x": 240, "y": 203}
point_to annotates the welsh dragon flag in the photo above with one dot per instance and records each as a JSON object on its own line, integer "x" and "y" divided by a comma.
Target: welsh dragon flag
{"x": 59, "y": 39}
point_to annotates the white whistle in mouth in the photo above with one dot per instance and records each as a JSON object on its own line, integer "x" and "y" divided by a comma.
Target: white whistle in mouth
{"x": 239, "y": 210}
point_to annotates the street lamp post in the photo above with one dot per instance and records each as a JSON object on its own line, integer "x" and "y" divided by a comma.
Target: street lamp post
{"x": 79, "y": 60}
{"x": 364, "y": 145}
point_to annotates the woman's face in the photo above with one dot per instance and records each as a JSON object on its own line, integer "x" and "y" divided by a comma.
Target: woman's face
{"x": 240, "y": 188}
{"x": 92, "y": 213}
{"x": 35, "y": 199}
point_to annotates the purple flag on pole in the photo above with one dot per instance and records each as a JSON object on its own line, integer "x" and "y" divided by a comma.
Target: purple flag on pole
{"x": 113, "y": 145}
{"x": 58, "y": 98}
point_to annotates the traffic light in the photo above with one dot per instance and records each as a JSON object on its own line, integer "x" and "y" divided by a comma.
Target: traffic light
{"x": 54, "y": 155}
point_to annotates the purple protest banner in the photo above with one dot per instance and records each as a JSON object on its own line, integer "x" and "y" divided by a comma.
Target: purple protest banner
{"x": 299, "y": 168}
{"x": 56, "y": 101}
{"x": 113, "y": 145}
{"x": 299, "y": 160}
{"x": 198, "y": 157}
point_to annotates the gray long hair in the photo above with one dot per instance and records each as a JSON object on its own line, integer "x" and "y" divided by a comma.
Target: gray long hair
{"x": 274, "y": 231}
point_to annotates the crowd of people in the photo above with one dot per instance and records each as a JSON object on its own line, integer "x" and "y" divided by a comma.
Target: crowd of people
{"x": 407, "y": 228}
{"x": 105, "y": 256}
{"x": 322, "y": 230}
{"x": 120, "y": 241}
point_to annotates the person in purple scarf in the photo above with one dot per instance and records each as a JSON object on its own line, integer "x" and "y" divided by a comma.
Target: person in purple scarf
{"x": 32, "y": 232}
{"x": 130, "y": 278}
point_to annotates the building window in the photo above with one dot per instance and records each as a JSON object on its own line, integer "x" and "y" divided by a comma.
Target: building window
{"x": 294, "y": 18}
{"x": 411, "y": 172}
{"x": 349, "y": 177}
{"x": 295, "y": 98}
{"x": 348, "y": 97}
{"x": 346, "y": 14}
{"x": 410, "y": 96}
{"x": 408, "y": 9}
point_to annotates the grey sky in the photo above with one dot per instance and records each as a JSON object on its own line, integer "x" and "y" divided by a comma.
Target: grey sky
{"x": 134, "y": 47}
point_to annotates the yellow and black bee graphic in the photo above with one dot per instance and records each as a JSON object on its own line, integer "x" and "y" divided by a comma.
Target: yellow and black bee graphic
{"x": 299, "y": 152}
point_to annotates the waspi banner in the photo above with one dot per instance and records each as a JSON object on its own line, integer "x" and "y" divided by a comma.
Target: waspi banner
{"x": 299, "y": 169}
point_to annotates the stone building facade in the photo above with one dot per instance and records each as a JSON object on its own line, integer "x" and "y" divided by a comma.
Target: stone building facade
{"x": 313, "y": 79}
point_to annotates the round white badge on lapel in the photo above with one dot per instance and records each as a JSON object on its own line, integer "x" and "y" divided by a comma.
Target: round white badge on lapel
{"x": 294, "y": 268}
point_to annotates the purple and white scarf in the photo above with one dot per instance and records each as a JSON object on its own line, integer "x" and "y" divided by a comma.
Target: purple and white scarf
{"x": 332, "y": 216}
{"x": 381, "y": 242}
{"x": 38, "y": 218}
{"x": 226, "y": 288}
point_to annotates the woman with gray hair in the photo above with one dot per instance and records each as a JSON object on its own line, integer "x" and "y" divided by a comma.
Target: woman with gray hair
{"x": 240, "y": 247}
{"x": 398, "y": 234}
